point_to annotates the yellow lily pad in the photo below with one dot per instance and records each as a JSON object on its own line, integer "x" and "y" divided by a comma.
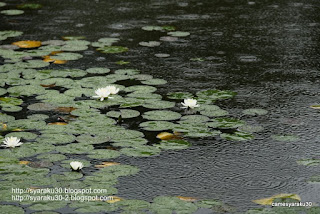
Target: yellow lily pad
{"x": 183, "y": 198}
{"x": 27, "y": 44}
{"x": 106, "y": 164}
{"x": 268, "y": 201}
{"x": 114, "y": 200}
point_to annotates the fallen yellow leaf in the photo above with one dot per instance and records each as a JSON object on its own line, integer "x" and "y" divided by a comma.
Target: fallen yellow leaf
{"x": 315, "y": 106}
{"x": 17, "y": 130}
{"x": 268, "y": 201}
{"x": 27, "y": 44}
{"x": 60, "y": 62}
{"x": 114, "y": 199}
{"x": 58, "y": 123}
{"x": 168, "y": 136}
{"x": 24, "y": 162}
{"x": 48, "y": 86}
{"x": 55, "y": 52}
{"x": 4, "y": 126}
{"x": 106, "y": 164}
{"x": 187, "y": 198}
{"x": 65, "y": 109}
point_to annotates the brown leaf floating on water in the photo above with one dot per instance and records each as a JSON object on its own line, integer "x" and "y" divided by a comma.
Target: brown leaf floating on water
{"x": 27, "y": 44}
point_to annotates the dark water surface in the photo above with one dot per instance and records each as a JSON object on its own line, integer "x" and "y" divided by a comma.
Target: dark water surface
{"x": 265, "y": 50}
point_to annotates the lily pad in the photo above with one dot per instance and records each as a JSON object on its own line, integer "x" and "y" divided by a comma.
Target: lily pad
{"x": 32, "y": 6}
{"x": 11, "y": 209}
{"x": 226, "y": 123}
{"x": 12, "y": 12}
{"x": 154, "y": 82}
{"x": 23, "y": 135}
{"x": 161, "y": 115}
{"x": 213, "y": 94}
{"x": 237, "y": 136}
{"x": 141, "y": 89}
{"x": 9, "y": 33}
{"x": 140, "y": 151}
{"x": 103, "y": 154}
{"x": 159, "y": 104}
{"x": 179, "y": 34}
{"x": 179, "y": 95}
{"x": 285, "y": 138}
{"x": 124, "y": 113}
{"x": 150, "y": 44}
{"x": 113, "y": 49}
{"x": 157, "y": 125}
{"x": 98, "y": 70}
{"x": 309, "y": 162}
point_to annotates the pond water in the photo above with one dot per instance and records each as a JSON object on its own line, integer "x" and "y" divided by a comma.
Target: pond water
{"x": 266, "y": 51}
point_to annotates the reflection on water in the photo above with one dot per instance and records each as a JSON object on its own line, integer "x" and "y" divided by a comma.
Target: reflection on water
{"x": 267, "y": 51}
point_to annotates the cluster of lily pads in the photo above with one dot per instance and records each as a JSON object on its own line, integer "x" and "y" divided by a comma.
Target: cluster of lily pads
{"x": 62, "y": 126}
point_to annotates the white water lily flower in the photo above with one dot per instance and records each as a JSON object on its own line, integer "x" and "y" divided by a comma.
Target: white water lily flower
{"x": 112, "y": 89}
{"x": 12, "y": 142}
{"x": 76, "y": 165}
{"x": 190, "y": 103}
{"x": 102, "y": 93}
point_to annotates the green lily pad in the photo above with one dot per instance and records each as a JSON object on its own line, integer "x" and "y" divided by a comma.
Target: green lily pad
{"x": 11, "y": 209}
{"x": 89, "y": 139}
{"x": 192, "y": 119}
{"x": 237, "y": 136}
{"x": 32, "y": 6}
{"x": 255, "y": 111}
{"x": 152, "y": 28}
{"x": 140, "y": 151}
{"x": 52, "y": 157}
{"x": 72, "y": 38}
{"x": 309, "y": 162}
{"x": 48, "y": 205}
{"x": 98, "y": 70}
{"x": 67, "y": 176}
{"x": 127, "y": 71}
{"x": 285, "y": 138}
{"x": 216, "y": 113}
{"x": 62, "y": 138}
{"x": 124, "y": 113}
{"x": 26, "y": 90}
{"x": 179, "y": 95}
{"x": 167, "y": 204}
{"x": 66, "y": 56}
{"x": 23, "y": 135}
{"x": 2, "y": 4}
{"x": 121, "y": 62}
{"x": 113, "y": 49}
{"x": 12, "y": 12}
{"x": 8, "y": 101}
{"x": 150, "y": 44}
{"x": 179, "y": 34}
{"x": 154, "y": 82}
{"x": 226, "y": 123}
{"x": 159, "y": 104}
{"x": 157, "y": 125}
{"x": 140, "y": 88}
{"x": 103, "y": 154}
{"x": 214, "y": 94}
{"x": 41, "y": 107}
{"x": 38, "y": 117}
{"x": 145, "y": 96}
{"x": 9, "y": 33}
{"x": 74, "y": 148}
{"x": 161, "y": 115}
